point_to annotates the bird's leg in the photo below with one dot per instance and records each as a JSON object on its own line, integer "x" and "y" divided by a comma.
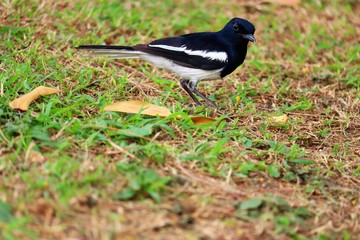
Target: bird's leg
{"x": 192, "y": 88}
{"x": 185, "y": 85}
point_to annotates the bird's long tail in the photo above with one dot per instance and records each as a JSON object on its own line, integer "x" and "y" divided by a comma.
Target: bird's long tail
{"x": 115, "y": 52}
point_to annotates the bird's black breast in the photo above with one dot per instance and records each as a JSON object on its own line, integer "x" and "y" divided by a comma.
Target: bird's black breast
{"x": 236, "y": 56}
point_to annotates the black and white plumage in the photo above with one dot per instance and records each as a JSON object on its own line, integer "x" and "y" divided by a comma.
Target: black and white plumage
{"x": 193, "y": 57}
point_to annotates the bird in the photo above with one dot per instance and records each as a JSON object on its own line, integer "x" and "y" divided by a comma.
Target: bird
{"x": 193, "y": 57}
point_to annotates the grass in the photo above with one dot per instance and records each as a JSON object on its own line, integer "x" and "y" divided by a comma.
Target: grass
{"x": 70, "y": 170}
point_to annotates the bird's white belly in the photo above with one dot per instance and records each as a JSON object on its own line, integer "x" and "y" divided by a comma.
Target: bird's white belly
{"x": 181, "y": 71}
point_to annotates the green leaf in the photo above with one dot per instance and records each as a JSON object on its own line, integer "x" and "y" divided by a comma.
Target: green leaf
{"x": 301, "y": 161}
{"x": 125, "y": 194}
{"x": 246, "y": 167}
{"x": 253, "y": 203}
{"x": 134, "y": 182}
{"x": 302, "y": 212}
{"x": 138, "y": 131}
{"x": 248, "y": 143}
{"x": 155, "y": 195}
{"x": 273, "y": 171}
{"x": 150, "y": 176}
{"x": 5, "y": 212}
{"x": 283, "y": 220}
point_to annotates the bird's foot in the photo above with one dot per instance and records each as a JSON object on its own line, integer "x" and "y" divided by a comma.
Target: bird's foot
{"x": 190, "y": 88}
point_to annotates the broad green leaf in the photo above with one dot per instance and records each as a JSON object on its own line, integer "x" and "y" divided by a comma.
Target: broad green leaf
{"x": 252, "y": 203}
{"x": 246, "y": 167}
{"x": 125, "y": 194}
{"x": 273, "y": 171}
{"x": 155, "y": 195}
{"x": 138, "y": 131}
{"x": 301, "y": 161}
{"x": 5, "y": 212}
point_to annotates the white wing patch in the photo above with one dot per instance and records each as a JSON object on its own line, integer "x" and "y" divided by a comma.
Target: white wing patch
{"x": 183, "y": 72}
{"x": 219, "y": 56}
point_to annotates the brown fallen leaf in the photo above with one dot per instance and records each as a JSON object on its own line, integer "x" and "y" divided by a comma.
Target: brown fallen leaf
{"x": 197, "y": 120}
{"x": 34, "y": 156}
{"x": 43, "y": 210}
{"x": 136, "y": 106}
{"x": 23, "y": 103}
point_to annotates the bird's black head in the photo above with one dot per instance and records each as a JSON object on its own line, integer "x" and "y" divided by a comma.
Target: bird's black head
{"x": 240, "y": 27}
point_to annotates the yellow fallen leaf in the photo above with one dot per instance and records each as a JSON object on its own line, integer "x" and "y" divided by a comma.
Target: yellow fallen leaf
{"x": 136, "y": 106}
{"x": 22, "y": 103}
{"x": 280, "y": 119}
{"x": 150, "y": 109}
{"x": 285, "y": 2}
{"x": 197, "y": 120}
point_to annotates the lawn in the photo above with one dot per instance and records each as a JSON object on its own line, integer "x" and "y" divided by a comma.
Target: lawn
{"x": 281, "y": 161}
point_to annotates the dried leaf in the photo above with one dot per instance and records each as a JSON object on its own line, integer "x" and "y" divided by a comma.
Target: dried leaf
{"x": 197, "y": 120}
{"x": 43, "y": 209}
{"x": 22, "y": 103}
{"x": 280, "y": 119}
{"x": 34, "y": 156}
{"x": 285, "y": 2}
{"x": 136, "y": 106}
{"x": 150, "y": 109}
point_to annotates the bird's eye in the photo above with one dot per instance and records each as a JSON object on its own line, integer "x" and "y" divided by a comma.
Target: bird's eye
{"x": 236, "y": 27}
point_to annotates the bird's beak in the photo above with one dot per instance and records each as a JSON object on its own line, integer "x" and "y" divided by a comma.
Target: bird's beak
{"x": 249, "y": 37}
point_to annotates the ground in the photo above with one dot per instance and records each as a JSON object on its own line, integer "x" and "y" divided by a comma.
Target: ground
{"x": 70, "y": 170}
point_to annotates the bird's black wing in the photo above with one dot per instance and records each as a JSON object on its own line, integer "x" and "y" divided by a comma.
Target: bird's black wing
{"x": 197, "y": 50}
